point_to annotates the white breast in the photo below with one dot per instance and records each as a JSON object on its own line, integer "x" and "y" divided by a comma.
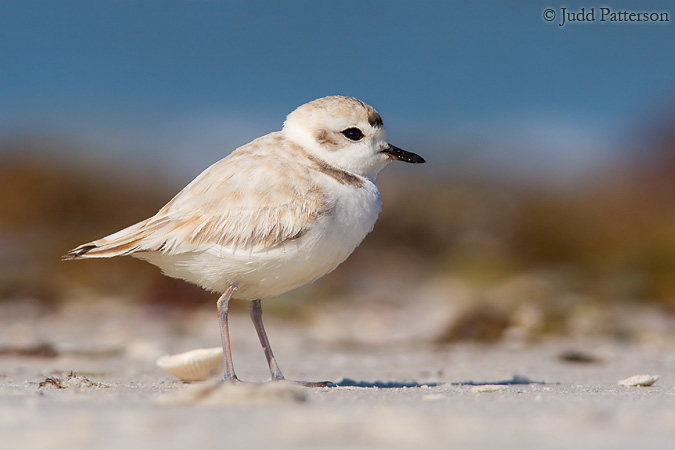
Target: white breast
{"x": 262, "y": 274}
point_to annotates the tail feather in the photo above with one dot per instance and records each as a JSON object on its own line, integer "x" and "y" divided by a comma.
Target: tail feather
{"x": 93, "y": 250}
{"x": 124, "y": 242}
{"x": 78, "y": 252}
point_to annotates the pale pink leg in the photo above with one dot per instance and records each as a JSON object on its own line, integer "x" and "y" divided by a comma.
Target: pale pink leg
{"x": 223, "y": 310}
{"x": 256, "y": 317}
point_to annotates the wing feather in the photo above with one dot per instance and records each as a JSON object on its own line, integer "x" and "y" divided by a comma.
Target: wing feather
{"x": 252, "y": 199}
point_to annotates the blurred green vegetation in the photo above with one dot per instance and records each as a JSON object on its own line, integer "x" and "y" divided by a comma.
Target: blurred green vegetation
{"x": 548, "y": 257}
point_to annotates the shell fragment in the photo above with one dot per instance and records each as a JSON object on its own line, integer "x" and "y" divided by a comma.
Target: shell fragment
{"x": 639, "y": 380}
{"x": 195, "y": 365}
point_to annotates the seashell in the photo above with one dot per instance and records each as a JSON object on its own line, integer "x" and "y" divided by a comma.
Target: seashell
{"x": 195, "y": 365}
{"x": 639, "y": 380}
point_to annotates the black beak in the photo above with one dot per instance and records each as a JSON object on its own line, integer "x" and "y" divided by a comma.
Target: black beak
{"x": 402, "y": 155}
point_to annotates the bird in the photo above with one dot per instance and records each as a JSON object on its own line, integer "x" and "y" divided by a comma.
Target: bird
{"x": 273, "y": 215}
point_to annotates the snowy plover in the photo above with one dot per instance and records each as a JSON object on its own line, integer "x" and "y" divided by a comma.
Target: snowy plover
{"x": 274, "y": 215}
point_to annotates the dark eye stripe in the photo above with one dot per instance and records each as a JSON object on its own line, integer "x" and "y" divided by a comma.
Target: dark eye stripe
{"x": 353, "y": 134}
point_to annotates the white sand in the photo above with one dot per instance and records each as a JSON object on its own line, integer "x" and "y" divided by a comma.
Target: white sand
{"x": 135, "y": 405}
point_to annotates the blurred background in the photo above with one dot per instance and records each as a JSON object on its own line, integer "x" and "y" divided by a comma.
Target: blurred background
{"x": 546, "y": 208}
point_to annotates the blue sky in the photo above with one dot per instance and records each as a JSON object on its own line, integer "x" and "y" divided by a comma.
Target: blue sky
{"x": 166, "y": 78}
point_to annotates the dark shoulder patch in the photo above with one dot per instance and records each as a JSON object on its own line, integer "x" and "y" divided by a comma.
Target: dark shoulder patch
{"x": 340, "y": 175}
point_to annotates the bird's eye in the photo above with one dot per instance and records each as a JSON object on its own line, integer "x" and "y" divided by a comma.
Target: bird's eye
{"x": 353, "y": 134}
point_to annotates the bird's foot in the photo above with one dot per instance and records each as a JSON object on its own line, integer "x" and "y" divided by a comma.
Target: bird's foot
{"x": 231, "y": 379}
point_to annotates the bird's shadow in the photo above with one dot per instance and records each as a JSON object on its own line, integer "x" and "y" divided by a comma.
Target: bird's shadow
{"x": 515, "y": 380}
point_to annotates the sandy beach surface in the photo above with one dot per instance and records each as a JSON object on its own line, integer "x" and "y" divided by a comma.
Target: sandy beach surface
{"x": 84, "y": 377}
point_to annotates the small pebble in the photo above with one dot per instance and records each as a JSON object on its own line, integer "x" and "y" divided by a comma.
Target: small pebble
{"x": 639, "y": 380}
{"x": 488, "y": 388}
